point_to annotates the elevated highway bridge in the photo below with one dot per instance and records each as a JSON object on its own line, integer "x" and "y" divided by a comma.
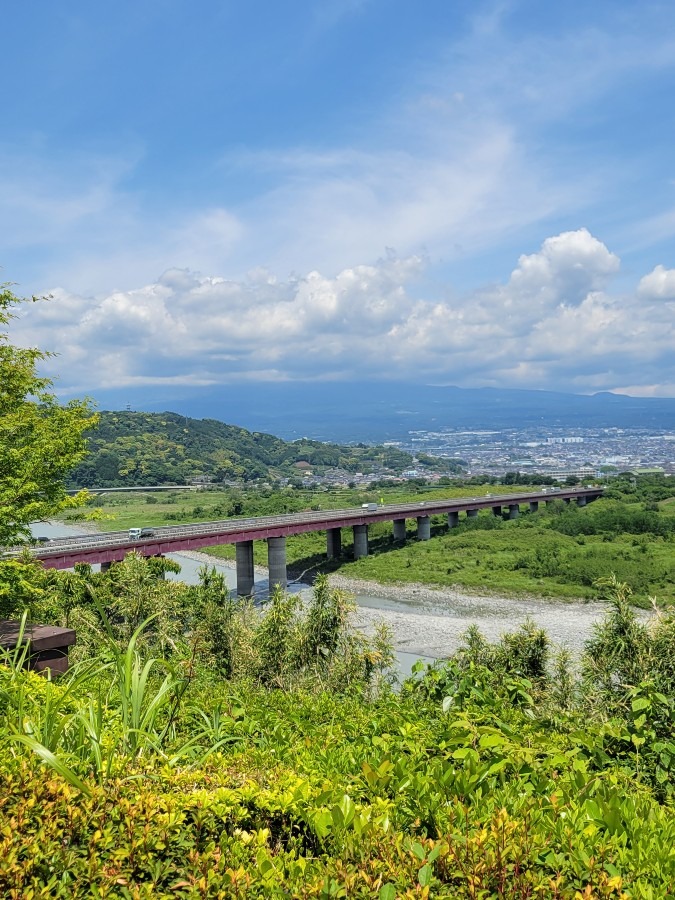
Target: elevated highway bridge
{"x": 106, "y": 548}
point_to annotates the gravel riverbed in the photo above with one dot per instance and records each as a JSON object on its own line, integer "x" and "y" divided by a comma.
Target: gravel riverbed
{"x": 429, "y": 621}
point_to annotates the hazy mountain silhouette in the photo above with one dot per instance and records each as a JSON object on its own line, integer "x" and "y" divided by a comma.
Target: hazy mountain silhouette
{"x": 377, "y": 411}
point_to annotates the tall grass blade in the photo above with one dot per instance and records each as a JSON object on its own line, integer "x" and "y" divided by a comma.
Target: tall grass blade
{"x": 53, "y": 762}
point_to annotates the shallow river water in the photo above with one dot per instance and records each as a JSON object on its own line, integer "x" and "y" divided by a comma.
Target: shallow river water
{"x": 426, "y": 623}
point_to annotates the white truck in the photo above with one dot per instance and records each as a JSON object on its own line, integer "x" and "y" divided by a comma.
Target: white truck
{"x": 135, "y": 534}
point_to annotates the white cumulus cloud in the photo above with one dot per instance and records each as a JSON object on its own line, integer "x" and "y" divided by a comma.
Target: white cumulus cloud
{"x": 658, "y": 285}
{"x": 553, "y": 323}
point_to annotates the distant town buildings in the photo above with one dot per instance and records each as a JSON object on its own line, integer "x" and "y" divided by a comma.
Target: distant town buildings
{"x": 587, "y": 454}
{"x": 545, "y": 450}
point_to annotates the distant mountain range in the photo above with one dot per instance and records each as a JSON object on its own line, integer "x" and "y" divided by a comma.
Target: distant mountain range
{"x": 381, "y": 411}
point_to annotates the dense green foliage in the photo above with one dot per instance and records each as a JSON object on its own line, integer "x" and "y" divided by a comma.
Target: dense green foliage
{"x": 40, "y": 439}
{"x": 503, "y": 772}
{"x": 291, "y": 642}
{"x": 135, "y": 448}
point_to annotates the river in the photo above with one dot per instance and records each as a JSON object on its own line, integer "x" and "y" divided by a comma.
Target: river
{"x": 426, "y": 623}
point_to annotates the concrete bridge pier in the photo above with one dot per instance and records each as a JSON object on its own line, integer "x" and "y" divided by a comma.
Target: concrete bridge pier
{"x": 333, "y": 543}
{"x": 276, "y": 562}
{"x": 534, "y": 505}
{"x": 423, "y": 528}
{"x": 514, "y": 510}
{"x": 581, "y": 501}
{"x": 497, "y": 511}
{"x": 245, "y": 578}
{"x": 399, "y": 530}
{"x": 360, "y": 541}
{"x": 453, "y": 519}
{"x": 471, "y": 513}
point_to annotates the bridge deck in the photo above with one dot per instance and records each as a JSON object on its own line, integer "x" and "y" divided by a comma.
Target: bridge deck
{"x": 112, "y": 546}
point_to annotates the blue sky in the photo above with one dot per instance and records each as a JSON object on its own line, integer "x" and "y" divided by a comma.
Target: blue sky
{"x": 463, "y": 193}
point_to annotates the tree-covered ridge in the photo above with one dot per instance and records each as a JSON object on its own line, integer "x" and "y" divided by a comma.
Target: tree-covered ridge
{"x": 136, "y": 448}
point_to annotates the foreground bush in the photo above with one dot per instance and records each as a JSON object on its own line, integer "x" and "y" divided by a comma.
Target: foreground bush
{"x": 499, "y": 773}
{"x": 319, "y": 797}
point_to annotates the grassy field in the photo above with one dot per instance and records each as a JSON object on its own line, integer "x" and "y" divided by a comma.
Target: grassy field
{"x": 559, "y": 552}
{"x": 125, "y": 510}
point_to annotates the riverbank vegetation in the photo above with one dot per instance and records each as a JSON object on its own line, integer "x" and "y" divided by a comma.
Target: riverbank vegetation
{"x": 150, "y": 771}
{"x": 558, "y": 551}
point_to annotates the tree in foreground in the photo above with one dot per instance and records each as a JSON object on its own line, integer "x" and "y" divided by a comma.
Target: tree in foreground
{"x": 40, "y": 439}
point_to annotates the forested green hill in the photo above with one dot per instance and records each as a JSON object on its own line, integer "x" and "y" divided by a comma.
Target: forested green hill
{"x": 137, "y": 448}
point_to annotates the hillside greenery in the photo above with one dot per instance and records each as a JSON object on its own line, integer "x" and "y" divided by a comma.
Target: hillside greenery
{"x": 136, "y": 448}
{"x": 167, "y": 764}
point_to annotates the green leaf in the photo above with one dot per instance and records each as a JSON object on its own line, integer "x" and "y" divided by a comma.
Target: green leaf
{"x": 347, "y": 809}
{"x": 640, "y": 703}
{"x": 492, "y": 740}
{"x": 323, "y": 822}
{"x": 419, "y": 850}
{"x": 424, "y": 875}
{"x": 434, "y": 853}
